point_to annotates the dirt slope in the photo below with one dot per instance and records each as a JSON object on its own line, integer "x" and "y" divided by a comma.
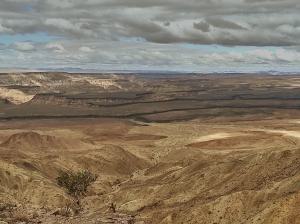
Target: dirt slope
{"x": 182, "y": 172}
{"x": 31, "y": 140}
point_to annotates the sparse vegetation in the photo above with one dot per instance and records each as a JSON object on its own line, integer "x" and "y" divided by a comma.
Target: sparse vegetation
{"x": 76, "y": 183}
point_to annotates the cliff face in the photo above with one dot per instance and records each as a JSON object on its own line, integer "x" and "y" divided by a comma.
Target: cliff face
{"x": 151, "y": 97}
{"x": 60, "y": 88}
{"x": 60, "y": 81}
{"x": 55, "y": 99}
{"x": 14, "y": 96}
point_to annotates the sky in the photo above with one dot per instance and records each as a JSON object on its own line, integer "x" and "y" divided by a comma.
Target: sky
{"x": 151, "y": 35}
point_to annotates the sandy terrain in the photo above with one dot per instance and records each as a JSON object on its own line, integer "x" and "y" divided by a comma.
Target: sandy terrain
{"x": 214, "y": 137}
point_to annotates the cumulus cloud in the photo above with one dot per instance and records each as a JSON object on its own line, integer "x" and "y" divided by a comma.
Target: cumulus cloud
{"x": 151, "y": 33}
{"x": 110, "y": 20}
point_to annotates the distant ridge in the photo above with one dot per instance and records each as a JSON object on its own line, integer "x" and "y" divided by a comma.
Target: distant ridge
{"x": 153, "y": 71}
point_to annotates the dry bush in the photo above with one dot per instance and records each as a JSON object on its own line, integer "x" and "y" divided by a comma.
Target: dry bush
{"x": 76, "y": 183}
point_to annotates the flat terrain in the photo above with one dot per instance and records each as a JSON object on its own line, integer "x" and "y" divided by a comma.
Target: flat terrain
{"x": 205, "y": 149}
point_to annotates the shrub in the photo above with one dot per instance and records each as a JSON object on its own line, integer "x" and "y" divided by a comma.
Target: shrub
{"x": 76, "y": 183}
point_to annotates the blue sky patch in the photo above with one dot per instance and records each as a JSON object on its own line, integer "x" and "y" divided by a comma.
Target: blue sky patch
{"x": 32, "y": 37}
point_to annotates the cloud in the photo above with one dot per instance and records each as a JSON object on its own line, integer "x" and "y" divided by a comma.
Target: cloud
{"x": 60, "y": 25}
{"x": 266, "y": 22}
{"x": 113, "y": 55}
{"x": 224, "y": 24}
{"x": 4, "y": 29}
{"x": 262, "y": 54}
{"x": 55, "y": 47}
{"x": 203, "y": 26}
{"x": 86, "y": 49}
{"x": 167, "y": 23}
{"x": 23, "y": 46}
{"x": 137, "y": 33}
{"x": 287, "y": 56}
